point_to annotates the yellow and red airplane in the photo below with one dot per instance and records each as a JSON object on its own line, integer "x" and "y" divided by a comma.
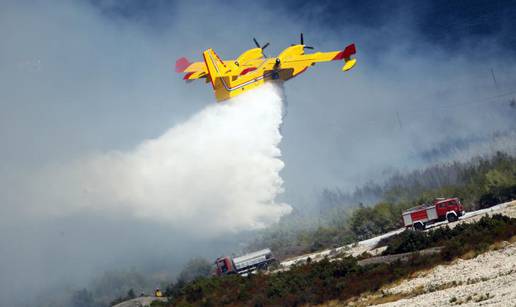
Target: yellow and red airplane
{"x": 252, "y": 69}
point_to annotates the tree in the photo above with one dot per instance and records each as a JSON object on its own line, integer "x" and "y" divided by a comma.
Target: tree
{"x": 83, "y": 298}
{"x": 130, "y": 294}
{"x": 195, "y": 268}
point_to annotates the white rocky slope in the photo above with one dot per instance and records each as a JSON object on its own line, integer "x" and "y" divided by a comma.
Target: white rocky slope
{"x": 485, "y": 280}
{"x": 488, "y": 279}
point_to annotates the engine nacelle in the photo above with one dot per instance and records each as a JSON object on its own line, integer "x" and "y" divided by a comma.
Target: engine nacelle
{"x": 251, "y": 54}
{"x": 292, "y": 51}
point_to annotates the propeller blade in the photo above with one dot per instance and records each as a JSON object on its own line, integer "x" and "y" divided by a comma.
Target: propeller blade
{"x": 256, "y": 42}
{"x": 302, "y": 40}
{"x": 265, "y": 46}
{"x": 309, "y": 47}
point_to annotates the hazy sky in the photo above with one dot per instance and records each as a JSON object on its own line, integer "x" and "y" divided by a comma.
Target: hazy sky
{"x": 81, "y": 79}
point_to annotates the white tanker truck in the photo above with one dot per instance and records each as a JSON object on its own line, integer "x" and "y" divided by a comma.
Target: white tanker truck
{"x": 245, "y": 264}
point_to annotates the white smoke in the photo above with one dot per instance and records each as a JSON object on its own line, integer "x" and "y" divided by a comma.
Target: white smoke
{"x": 218, "y": 171}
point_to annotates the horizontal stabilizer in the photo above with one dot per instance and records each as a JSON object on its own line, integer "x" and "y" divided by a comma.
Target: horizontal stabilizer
{"x": 182, "y": 64}
{"x": 349, "y": 64}
{"x": 194, "y": 75}
{"x": 187, "y": 76}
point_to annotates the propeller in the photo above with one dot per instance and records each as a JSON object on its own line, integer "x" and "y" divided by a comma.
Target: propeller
{"x": 302, "y": 42}
{"x": 258, "y": 45}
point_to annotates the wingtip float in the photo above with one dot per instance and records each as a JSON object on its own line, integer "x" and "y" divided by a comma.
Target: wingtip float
{"x": 252, "y": 68}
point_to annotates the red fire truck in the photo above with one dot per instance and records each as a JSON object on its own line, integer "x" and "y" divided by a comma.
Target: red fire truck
{"x": 439, "y": 210}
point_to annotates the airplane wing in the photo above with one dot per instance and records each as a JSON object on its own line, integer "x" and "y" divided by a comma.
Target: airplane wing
{"x": 309, "y": 59}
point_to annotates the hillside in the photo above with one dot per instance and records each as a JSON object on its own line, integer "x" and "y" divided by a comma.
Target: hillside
{"x": 370, "y": 245}
{"x": 488, "y": 280}
{"x": 334, "y": 277}
{"x": 476, "y": 273}
{"x": 345, "y": 218}
{"x": 353, "y": 253}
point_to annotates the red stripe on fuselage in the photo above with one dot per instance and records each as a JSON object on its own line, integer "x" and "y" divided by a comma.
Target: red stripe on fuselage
{"x": 247, "y": 70}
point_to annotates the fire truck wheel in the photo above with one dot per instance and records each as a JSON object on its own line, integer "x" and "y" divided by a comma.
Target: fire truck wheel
{"x": 452, "y": 217}
{"x": 419, "y": 226}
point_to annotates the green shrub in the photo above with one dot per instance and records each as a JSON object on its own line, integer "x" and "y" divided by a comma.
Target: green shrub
{"x": 464, "y": 237}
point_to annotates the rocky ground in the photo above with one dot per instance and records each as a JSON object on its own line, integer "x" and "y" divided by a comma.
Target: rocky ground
{"x": 488, "y": 279}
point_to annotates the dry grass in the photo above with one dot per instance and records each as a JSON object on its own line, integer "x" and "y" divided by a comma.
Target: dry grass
{"x": 376, "y": 298}
{"x": 469, "y": 255}
{"x": 389, "y": 298}
{"x": 499, "y": 245}
{"x": 332, "y": 303}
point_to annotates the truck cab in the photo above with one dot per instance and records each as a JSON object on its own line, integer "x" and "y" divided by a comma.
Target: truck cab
{"x": 448, "y": 209}
{"x": 225, "y": 266}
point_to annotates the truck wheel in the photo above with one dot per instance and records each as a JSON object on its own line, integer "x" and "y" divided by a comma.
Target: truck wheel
{"x": 419, "y": 226}
{"x": 451, "y": 217}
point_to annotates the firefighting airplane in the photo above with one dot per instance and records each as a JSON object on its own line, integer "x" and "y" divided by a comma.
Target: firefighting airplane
{"x": 251, "y": 69}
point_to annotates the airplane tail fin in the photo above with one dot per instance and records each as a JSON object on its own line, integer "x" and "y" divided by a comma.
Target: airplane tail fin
{"x": 182, "y": 64}
{"x": 216, "y": 67}
{"x": 348, "y": 61}
{"x": 346, "y": 56}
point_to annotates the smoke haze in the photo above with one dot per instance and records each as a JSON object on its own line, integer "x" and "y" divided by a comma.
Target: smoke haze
{"x": 215, "y": 172}
{"x": 109, "y": 161}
